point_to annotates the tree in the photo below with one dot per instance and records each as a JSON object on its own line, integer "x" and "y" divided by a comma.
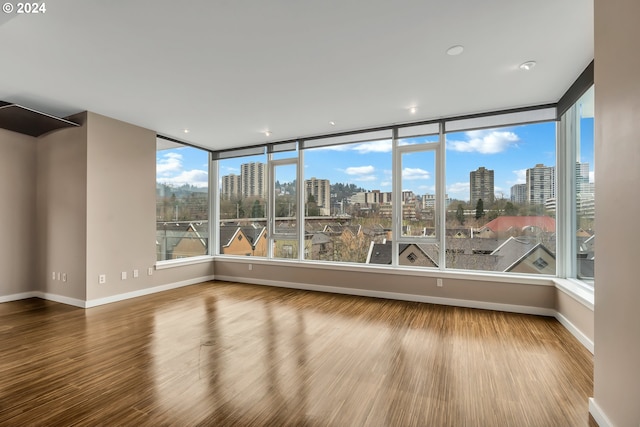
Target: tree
{"x": 460, "y": 214}
{"x": 312, "y": 206}
{"x": 479, "y": 209}
{"x": 510, "y": 209}
{"x": 256, "y": 210}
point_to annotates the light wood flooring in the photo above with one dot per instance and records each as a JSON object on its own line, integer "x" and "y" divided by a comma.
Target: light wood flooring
{"x": 227, "y": 354}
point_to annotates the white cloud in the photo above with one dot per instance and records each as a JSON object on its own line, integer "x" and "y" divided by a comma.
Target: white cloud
{"x": 385, "y": 184}
{"x": 195, "y": 177}
{"x": 359, "y": 170}
{"x": 484, "y": 142}
{"x": 521, "y": 177}
{"x": 169, "y": 163}
{"x": 373, "y": 147}
{"x": 415, "y": 173}
{"x": 459, "y": 190}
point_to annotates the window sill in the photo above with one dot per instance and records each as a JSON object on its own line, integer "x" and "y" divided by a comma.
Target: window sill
{"x": 578, "y": 290}
{"x": 161, "y": 265}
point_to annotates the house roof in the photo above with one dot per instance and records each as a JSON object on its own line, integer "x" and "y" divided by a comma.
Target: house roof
{"x": 521, "y": 223}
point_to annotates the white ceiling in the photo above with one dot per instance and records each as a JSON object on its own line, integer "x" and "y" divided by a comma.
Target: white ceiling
{"x": 230, "y": 69}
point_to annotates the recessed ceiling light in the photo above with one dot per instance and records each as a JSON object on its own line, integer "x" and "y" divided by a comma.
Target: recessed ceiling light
{"x": 186, "y": 131}
{"x": 527, "y": 65}
{"x": 332, "y": 123}
{"x": 267, "y": 133}
{"x": 413, "y": 110}
{"x": 455, "y": 50}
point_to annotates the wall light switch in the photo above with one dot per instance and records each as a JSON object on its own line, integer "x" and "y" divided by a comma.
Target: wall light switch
{"x": 439, "y": 283}
{"x": 123, "y": 275}
{"x": 53, "y": 276}
{"x": 64, "y": 277}
{"x": 136, "y": 273}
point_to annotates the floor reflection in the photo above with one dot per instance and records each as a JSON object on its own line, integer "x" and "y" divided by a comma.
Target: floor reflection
{"x": 237, "y": 355}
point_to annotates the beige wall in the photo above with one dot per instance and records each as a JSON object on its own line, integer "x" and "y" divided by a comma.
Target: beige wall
{"x": 120, "y": 205}
{"x": 617, "y": 140}
{"x": 524, "y": 295}
{"x": 121, "y": 200}
{"x": 18, "y": 213}
{"x": 81, "y": 202}
{"x": 61, "y": 219}
{"x": 575, "y": 312}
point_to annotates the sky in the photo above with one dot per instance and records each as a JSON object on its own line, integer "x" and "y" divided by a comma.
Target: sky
{"x": 509, "y": 151}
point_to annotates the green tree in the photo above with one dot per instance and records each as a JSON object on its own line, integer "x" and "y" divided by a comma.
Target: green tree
{"x": 479, "y": 209}
{"x": 256, "y": 210}
{"x": 510, "y": 209}
{"x": 460, "y": 214}
{"x": 312, "y": 206}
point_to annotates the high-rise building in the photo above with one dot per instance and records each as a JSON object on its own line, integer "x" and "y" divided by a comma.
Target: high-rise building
{"x": 230, "y": 187}
{"x": 582, "y": 178}
{"x": 253, "y": 178}
{"x": 541, "y": 184}
{"x": 429, "y": 201}
{"x": 368, "y": 198}
{"x": 519, "y": 193}
{"x": 481, "y": 185}
{"x": 320, "y": 189}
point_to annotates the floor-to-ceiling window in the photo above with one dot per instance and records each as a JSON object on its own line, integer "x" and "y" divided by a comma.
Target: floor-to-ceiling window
{"x": 243, "y": 204}
{"x": 182, "y": 201}
{"x": 348, "y": 198}
{"x": 501, "y": 184}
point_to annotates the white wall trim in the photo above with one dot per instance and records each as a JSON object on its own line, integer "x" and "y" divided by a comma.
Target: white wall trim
{"x": 181, "y": 262}
{"x": 395, "y": 296}
{"x": 146, "y": 291}
{"x": 17, "y": 297}
{"x": 60, "y": 298}
{"x": 598, "y": 414}
{"x": 580, "y": 336}
{"x": 577, "y": 291}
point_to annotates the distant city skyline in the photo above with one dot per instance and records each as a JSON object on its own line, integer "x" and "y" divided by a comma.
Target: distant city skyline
{"x": 509, "y": 151}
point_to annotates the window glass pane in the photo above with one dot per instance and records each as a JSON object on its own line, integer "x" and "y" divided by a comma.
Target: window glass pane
{"x": 243, "y": 206}
{"x": 182, "y": 201}
{"x": 285, "y": 232}
{"x": 418, "y": 198}
{"x": 585, "y": 194}
{"x": 501, "y": 182}
{"x": 342, "y": 226}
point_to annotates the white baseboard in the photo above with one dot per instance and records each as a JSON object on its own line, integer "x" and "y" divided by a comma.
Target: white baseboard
{"x": 60, "y": 298}
{"x": 598, "y": 414}
{"x": 146, "y": 291}
{"x": 17, "y": 297}
{"x": 586, "y": 342}
{"x": 512, "y": 308}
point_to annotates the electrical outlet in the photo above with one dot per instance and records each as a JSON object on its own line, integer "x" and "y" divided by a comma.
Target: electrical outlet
{"x": 439, "y": 283}
{"x": 123, "y": 275}
{"x": 102, "y": 279}
{"x": 150, "y": 271}
{"x": 250, "y": 267}
{"x": 135, "y": 273}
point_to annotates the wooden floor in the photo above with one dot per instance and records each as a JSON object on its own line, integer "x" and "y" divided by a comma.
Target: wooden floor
{"x": 225, "y": 354}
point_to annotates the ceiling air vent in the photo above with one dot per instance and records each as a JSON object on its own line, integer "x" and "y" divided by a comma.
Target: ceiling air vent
{"x": 20, "y": 119}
